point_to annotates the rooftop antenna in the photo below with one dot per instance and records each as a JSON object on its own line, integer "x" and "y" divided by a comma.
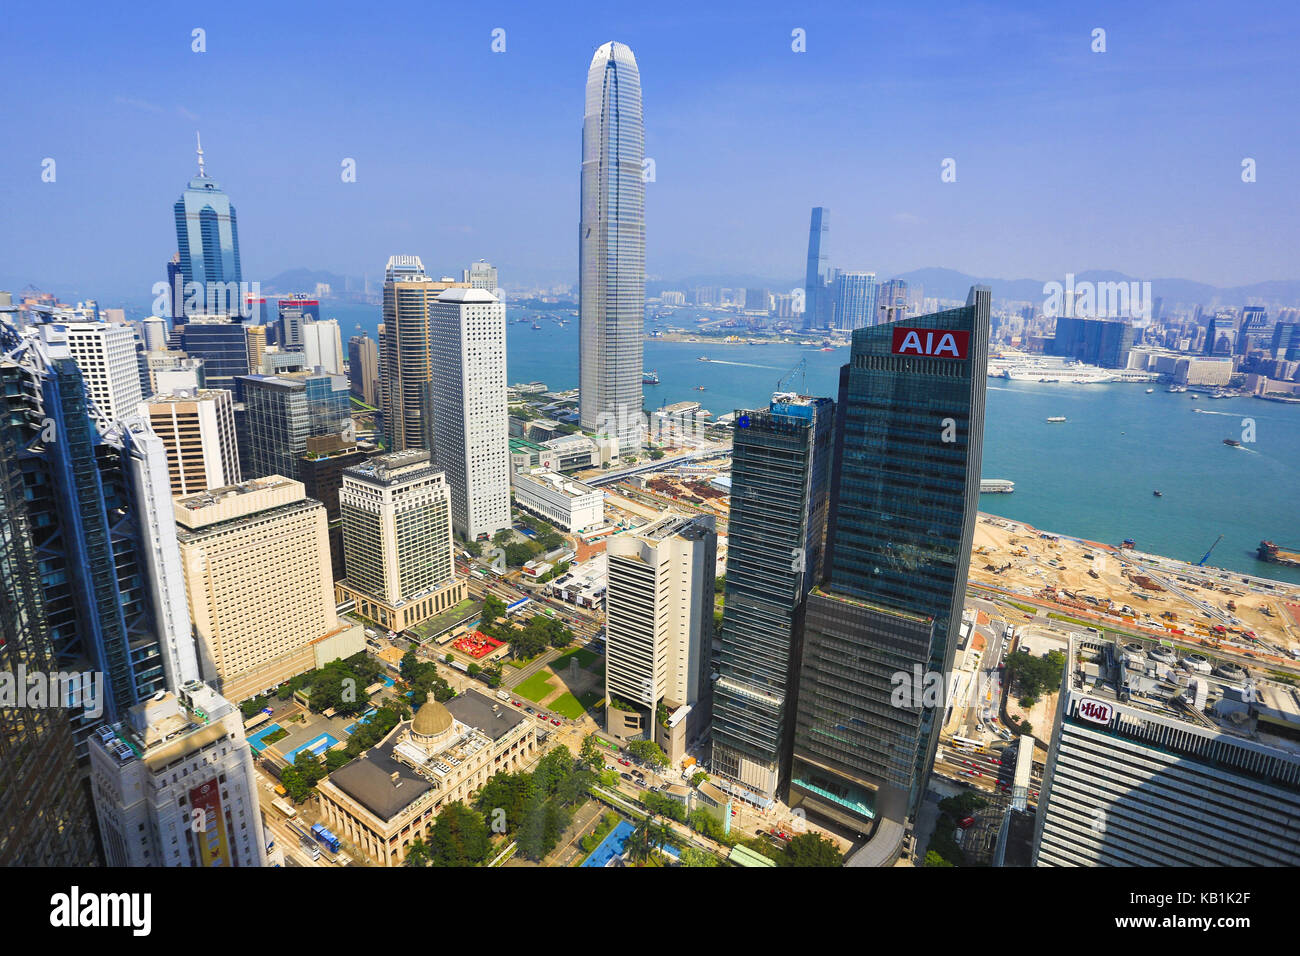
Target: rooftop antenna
{"x": 199, "y": 142}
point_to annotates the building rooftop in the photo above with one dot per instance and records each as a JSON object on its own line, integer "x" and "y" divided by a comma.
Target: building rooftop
{"x": 467, "y": 296}
{"x": 1186, "y": 690}
{"x": 393, "y": 467}
{"x": 562, "y": 484}
{"x": 485, "y": 714}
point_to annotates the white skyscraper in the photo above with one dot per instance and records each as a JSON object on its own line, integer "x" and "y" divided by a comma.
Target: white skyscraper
{"x": 467, "y": 330}
{"x": 323, "y": 345}
{"x": 174, "y": 784}
{"x": 660, "y": 629}
{"x": 481, "y": 275}
{"x": 105, "y": 354}
{"x": 611, "y": 249}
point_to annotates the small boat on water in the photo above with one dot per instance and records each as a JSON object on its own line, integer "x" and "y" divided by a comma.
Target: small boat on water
{"x": 1193, "y": 397}
{"x": 1055, "y": 419}
{"x": 704, "y": 358}
{"x": 699, "y": 388}
{"x": 1232, "y": 442}
{"x": 1158, "y": 494}
{"x": 1150, "y": 390}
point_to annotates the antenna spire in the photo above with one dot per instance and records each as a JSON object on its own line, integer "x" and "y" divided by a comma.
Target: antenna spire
{"x": 199, "y": 143}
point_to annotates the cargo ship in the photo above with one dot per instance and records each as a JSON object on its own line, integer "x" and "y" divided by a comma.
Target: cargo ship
{"x": 650, "y": 378}
{"x": 1271, "y": 553}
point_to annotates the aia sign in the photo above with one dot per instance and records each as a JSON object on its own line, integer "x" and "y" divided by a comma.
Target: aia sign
{"x": 1095, "y": 711}
{"x": 931, "y": 343}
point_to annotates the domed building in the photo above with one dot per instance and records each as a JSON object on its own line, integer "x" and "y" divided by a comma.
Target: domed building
{"x": 390, "y": 794}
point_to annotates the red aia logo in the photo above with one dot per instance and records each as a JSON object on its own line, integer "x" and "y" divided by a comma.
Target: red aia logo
{"x": 933, "y": 343}
{"x": 1095, "y": 711}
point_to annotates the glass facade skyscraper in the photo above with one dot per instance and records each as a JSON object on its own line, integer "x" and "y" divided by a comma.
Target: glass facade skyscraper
{"x": 908, "y": 446}
{"x": 281, "y": 412}
{"x": 207, "y": 236}
{"x": 780, "y": 483}
{"x": 222, "y": 343}
{"x": 611, "y": 249}
{"x": 816, "y": 306}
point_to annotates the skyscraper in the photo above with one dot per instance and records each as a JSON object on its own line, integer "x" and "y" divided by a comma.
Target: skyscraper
{"x": 44, "y": 810}
{"x": 256, "y": 564}
{"x": 198, "y": 430}
{"x": 855, "y": 300}
{"x": 221, "y": 343}
{"x": 1157, "y": 762}
{"x": 780, "y": 493}
{"x": 891, "y": 301}
{"x": 207, "y": 235}
{"x": 405, "y": 353}
{"x": 481, "y": 275}
{"x": 363, "y": 368}
{"x": 611, "y": 249}
{"x": 909, "y": 441}
{"x": 818, "y": 274}
{"x": 107, "y": 358}
{"x": 323, "y": 345}
{"x": 282, "y": 411}
{"x": 471, "y": 442}
{"x": 397, "y": 542}
{"x": 660, "y": 606}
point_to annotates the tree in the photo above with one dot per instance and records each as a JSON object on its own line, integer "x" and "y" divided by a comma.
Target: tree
{"x": 698, "y": 858}
{"x": 656, "y": 454}
{"x": 934, "y": 859}
{"x": 460, "y": 837}
{"x": 592, "y": 753}
{"x": 492, "y": 674}
{"x": 503, "y": 537}
{"x": 473, "y": 670}
{"x": 417, "y": 854}
{"x": 474, "y": 548}
{"x": 698, "y": 778}
{"x": 719, "y": 584}
{"x": 812, "y": 849}
{"x": 449, "y": 658}
{"x": 493, "y": 607}
{"x": 648, "y": 752}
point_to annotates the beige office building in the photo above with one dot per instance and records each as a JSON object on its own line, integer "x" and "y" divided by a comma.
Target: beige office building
{"x": 256, "y": 340}
{"x": 256, "y": 562}
{"x": 406, "y": 356}
{"x": 397, "y": 543}
{"x": 198, "y": 430}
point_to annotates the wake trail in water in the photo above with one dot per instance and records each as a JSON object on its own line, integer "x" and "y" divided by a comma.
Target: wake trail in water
{"x": 742, "y": 364}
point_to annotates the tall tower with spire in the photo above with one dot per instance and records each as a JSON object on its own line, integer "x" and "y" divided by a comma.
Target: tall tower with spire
{"x": 207, "y": 237}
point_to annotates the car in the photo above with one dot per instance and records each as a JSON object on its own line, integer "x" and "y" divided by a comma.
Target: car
{"x": 267, "y": 710}
{"x": 555, "y": 722}
{"x": 967, "y": 823}
{"x": 516, "y": 703}
{"x": 625, "y": 762}
{"x": 626, "y": 776}
{"x": 530, "y": 710}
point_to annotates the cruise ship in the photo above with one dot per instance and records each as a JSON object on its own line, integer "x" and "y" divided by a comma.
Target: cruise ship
{"x": 1021, "y": 367}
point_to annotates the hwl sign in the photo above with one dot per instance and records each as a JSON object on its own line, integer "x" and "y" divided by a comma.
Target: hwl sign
{"x": 1095, "y": 711}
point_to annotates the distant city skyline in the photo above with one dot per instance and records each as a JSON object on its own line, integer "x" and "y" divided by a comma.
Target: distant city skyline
{"x": 1071, "y": 159}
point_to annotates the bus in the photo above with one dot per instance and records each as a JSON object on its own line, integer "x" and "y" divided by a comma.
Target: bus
{"x": 967, "y": 742}
{"x": 284, "y": 808}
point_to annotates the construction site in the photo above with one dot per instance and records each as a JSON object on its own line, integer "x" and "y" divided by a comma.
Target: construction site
{"x": 1098, "y": 584}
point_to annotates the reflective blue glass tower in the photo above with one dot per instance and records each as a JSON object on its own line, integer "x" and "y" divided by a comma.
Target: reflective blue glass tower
{"x": 207, "y": 236}
{"x": 909, "y": 440}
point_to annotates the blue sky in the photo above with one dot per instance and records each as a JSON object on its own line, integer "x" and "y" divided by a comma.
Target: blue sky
{"x": 1066, "y": 159}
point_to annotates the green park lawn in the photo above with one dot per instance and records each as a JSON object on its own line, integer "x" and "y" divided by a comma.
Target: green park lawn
{"x": 566, "y": 705}
{"x": 536, "y": 687}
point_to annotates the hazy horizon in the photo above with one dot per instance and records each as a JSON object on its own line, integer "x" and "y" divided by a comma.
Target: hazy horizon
{"x": 1066, "y": 160}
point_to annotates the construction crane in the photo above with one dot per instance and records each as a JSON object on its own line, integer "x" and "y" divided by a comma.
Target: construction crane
{"x": 1207, "y": 553}
{"x": 802, "y": 370}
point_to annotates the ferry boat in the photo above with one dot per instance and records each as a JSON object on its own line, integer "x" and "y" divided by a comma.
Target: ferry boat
{"x": 650, "y": 378}
{"x": 996, "y": 486}
{"x": 704, "y": 358}
{"x": 1175, "y": 389}
{"x": 1055, "y": 419}
{"x": 1233, "y": 442}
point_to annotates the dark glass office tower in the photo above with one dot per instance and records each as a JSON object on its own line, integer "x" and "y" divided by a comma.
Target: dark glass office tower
{"x": 281, "y": 412}
{"x": 905, "y": 495}
{"x": 818, "y": 276}
{"x": 222, "y": 343}
{"x": 1104, "y": 342}
{"x": 44, "y": 810}
{"x": 780, "y": 483}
